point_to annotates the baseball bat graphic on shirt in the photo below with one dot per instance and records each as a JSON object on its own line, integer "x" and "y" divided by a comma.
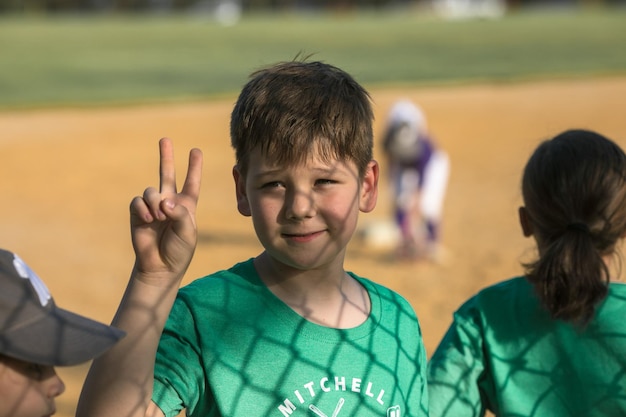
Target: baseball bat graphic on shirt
{"x": 320, "y": 413}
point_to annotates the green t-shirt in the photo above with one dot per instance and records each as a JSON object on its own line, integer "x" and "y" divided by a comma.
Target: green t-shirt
{"x": 232, "y": 348}
{"x": 503, "y": 353}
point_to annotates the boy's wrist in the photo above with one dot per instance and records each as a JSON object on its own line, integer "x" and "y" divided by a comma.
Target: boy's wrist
{"x": 157, "y": 279}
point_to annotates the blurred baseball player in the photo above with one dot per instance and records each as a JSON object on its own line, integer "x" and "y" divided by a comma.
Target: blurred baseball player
{"x": 419, "y": 173}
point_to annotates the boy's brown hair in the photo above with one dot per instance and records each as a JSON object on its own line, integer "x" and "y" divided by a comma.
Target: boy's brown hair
{"x": 293, "y": 108}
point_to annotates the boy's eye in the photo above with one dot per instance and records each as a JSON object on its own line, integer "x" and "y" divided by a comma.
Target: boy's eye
{"x": 324, "y": 181}
{"x": 271, "y": 184}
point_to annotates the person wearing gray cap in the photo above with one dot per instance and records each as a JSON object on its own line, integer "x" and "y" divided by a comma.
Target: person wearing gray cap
{"x": 35, "y": 336}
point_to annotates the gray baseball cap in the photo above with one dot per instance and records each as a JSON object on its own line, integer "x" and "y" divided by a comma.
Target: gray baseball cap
{"x": 34, "y": 329}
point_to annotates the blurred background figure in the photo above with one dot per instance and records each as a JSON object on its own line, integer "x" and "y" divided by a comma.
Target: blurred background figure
{"x": 468, "y": 9}
{"x": 418, "y": 171}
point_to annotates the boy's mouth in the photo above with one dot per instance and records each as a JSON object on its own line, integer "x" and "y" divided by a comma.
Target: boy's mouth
{"x": 302, "y": 237}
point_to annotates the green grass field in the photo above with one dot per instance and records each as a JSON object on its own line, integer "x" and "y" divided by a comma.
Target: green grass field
{"x": 92, "y": 60}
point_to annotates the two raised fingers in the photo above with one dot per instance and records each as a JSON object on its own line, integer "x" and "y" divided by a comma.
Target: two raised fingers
{"x": 149, "y": 206}
{"x": 167, "y": 170}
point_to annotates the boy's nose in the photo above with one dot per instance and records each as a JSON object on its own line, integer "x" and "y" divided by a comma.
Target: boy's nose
{"x": 299, "y": 205}
{"x": 56, "y": 386}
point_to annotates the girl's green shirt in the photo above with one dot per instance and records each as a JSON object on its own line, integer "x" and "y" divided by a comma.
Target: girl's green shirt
{"x": 504, "y": 353}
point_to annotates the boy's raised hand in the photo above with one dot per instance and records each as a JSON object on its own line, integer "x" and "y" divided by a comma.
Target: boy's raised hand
{"x": 163, "y": 223}
{"x": 164, "y": 233}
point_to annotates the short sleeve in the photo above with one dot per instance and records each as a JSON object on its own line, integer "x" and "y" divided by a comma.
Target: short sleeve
{"x": 424, "y": 400}
{"x": 456, "y": 369}
{"x": 179, "y": 380}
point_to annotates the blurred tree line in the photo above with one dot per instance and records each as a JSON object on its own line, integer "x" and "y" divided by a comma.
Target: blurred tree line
{"x": 234, "y": 8}
{"x": 180, "y": 5}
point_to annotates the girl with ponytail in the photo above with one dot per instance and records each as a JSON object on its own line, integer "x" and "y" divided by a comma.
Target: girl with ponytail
{"x": 551, "y": 342}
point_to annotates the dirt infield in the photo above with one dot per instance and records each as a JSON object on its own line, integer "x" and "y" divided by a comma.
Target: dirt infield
{"x": 68, "y": 176}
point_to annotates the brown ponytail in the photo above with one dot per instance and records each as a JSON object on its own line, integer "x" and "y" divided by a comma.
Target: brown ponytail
{"x": 574, "y": 190}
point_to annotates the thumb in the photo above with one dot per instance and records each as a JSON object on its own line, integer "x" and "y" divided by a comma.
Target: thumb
{"x": 183, "y": 222}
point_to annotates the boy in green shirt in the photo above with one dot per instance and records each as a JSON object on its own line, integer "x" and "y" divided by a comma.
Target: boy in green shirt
{"x": 289, "y": 332}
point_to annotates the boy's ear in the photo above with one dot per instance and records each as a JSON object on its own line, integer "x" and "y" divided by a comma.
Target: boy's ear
{"x": 240, "y": 190}
{"x": 369, "y": 187}
{"x": 524, "y": 221}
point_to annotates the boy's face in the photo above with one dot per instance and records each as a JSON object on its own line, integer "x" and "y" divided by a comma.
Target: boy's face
{"x": 27, "y": 389}
{"x": 304, "y": 215}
